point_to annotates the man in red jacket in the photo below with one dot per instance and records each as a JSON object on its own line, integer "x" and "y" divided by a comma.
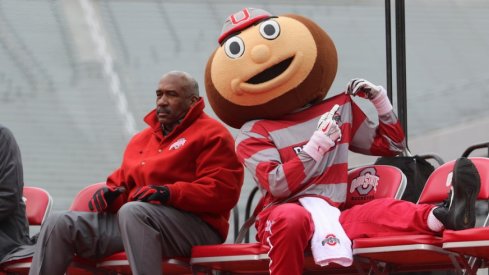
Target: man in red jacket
{"x": 178, "y": 181}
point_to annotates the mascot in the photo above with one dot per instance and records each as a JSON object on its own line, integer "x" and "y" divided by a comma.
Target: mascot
{"x": 269, "y": 78}
{"x": 280, "y": 65}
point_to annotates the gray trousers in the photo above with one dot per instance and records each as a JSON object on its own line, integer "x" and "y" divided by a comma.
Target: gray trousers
{"x": 145, "y": 231}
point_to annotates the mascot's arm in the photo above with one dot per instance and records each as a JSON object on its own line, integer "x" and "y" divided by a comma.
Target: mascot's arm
{"x": 383, "y": 139}
{"x": 389, "y": 139}
{"x": 262, "y": 159}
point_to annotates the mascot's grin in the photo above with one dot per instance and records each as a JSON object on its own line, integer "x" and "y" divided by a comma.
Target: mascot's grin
{"x": 271, "y": 72}
{"x": 270, "y": 78}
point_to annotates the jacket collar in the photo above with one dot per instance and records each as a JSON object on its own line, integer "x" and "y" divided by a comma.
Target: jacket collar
{"x": 193, "y": 113}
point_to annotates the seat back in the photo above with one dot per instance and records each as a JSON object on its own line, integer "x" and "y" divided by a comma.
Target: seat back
{"x": 438, "y": 184}
{"x": 38, "y": 204}
{"x": 80, "y": 202}
{"x": 370, "y": 182}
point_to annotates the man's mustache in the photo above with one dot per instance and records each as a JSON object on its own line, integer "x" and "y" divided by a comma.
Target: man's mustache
{"x": 163, "y": 110}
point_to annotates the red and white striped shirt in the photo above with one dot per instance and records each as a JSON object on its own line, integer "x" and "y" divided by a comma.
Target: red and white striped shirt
{"x": 272, "y": 150}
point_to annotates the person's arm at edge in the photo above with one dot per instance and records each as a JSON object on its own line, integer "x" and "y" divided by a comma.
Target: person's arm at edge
{"x": 11, "y": 174}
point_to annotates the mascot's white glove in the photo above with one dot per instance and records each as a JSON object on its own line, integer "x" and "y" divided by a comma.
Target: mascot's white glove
{"x": 325, "y": 137}
{"x": 376, "y": 94}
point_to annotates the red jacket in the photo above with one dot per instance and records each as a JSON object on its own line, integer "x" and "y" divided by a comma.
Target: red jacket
{"x": 196, "y": 161}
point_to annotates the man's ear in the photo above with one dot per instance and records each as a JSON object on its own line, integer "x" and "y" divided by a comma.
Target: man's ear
{"x": 194, "y": 99}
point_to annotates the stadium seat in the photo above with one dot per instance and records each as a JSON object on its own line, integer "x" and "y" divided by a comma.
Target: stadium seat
{"x": 364, "y": 184}
{"x": 474, "y": 242}
{"x": 118, "y": 262}
{"x": 38, "y": 205}
{"x": 80, "y": 202}
{"x": 421, "y": 252}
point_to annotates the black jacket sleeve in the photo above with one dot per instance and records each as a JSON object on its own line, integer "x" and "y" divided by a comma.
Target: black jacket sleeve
{"x": 11, "y": 174}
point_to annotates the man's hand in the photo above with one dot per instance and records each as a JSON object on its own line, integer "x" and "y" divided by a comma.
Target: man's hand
{"x": 376, "y": 94}
{"x": 103, "y": 197}
{"x": 153, "y": 194}
{"x": 325, "y": 137}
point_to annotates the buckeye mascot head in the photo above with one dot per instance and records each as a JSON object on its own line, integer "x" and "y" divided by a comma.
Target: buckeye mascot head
{"x": 267, "y": 66}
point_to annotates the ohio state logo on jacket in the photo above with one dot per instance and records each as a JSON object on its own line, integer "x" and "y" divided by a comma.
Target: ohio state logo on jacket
{"x": 177, "y": 144}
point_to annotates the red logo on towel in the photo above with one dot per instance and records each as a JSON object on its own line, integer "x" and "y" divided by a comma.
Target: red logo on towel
{"x": 331, "y": 240}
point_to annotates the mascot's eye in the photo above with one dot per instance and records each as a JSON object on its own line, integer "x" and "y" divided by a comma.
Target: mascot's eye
{"x": 270, "y": 29}
{"x": 234, "y": 47}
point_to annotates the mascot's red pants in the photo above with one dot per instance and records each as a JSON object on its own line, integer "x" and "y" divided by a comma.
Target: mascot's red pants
{"x": 287, "y": 228}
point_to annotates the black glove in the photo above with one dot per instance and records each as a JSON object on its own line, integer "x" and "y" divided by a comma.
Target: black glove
{"x": 103, "y": 197}
{"x": 153, "y": 194}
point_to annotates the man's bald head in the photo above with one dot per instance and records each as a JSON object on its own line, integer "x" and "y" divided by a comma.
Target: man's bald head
{"x": 177, "y": 92}
{"x": 189, "y": 83}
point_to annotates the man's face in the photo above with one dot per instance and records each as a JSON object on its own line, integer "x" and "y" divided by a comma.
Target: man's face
{"x": 173, "y": 100}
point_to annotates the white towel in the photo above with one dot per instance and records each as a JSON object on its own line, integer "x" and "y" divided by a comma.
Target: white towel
{"x": 329, "y": 243}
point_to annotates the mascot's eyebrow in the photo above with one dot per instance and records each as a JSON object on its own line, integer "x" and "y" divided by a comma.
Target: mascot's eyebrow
{"x": 229, "y": 36}
{"x": 264, "y": 19}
